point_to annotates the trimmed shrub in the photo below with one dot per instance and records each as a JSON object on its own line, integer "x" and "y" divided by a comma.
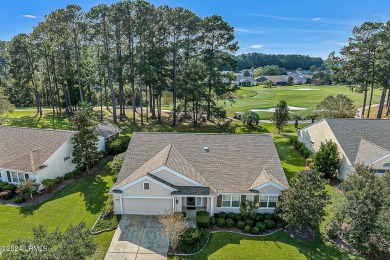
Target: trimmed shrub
{"x": 267, "y": 216}
{"x": 9, "y": 186}
{"x": 231, "y": 216}
{"x": 240, "y": 224}
{"x": 78, "y": 172}
{"x": 293, "y": 140}
{"x": 118, "y": 146}
{"x": 49, "y": 184}
{"x": 249, "y": 222}
{"x": 260, "y": 226}
{"x": 222, "y": 215}
{"x": 255, "y": 230}
{"x": 306, "y": 152}
{"x": 202, "y": 219}
{"x": 238, "y": 217}
{"x": 193, "y": 240}
{"x": 212, "y": 220}
{"x": 19, "y": 200}
{"x": 247, "y": 229}
{"x": 69, "y": 175}
{"x": 220, "y": 222}
{"x": 269, "y": 223}
{"x": 6, "y": 194}
{"x": 230, "y": 222}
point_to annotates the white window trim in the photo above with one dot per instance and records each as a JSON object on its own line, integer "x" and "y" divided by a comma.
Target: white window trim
{"x": 268, "y": 195}
{"x": 143, "y": 185}
{"x": 231, "y": 201}
{"x": 196, "y": 202}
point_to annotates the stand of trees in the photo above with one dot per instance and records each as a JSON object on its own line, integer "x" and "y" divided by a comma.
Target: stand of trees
{"x": 364, "y": 64}
{"x": 288, "y": 61}
{"x": 130, "y": 51}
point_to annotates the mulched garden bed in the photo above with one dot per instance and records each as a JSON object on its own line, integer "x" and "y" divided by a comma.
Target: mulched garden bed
{"x": 46, "y": 195}
{"x": 305, "y": 237}
{"x": 215, "y": 228}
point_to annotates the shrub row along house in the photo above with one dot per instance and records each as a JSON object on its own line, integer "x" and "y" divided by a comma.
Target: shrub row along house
{"x": 165, "y": 172}
{"x": 36, "y": 154}
{"x": 359, "y": 141}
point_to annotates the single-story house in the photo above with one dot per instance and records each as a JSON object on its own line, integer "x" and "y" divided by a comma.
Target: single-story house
{"x": 36, "y": 154}
{"x": 181, "y": 172}
{"x": 278, "y": 80}
{"x": 243, "y": 73}
{"x": 299, "y": 78}
{"x": 245, "y": 81}
{"x": 107, "y": 131}
{"x": 364, "y": 141}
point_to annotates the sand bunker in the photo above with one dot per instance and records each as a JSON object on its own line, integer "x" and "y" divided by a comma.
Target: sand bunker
{"x": 291, "y": 108}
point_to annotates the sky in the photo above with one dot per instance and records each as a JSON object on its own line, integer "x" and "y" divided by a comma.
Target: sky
{"x": 313, "y": 27}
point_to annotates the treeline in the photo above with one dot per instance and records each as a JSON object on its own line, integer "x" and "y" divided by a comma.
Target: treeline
{"x": 364, "y": 64}
{"x": 287, "y": 61}
{"x": 129, "y": 52}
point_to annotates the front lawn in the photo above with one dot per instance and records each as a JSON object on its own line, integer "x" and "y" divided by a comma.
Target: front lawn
{"x": 81, "y": 200}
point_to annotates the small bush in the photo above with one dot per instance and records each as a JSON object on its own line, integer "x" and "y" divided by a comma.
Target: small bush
{"x": 249, "y": 222}
{"x": 269, "y": 223}
{"x": 293, "y": 140}
{"x": 231, "y": 216}
{"x": 69, "y": 175}
{"x": 260, "y": 226}
{"x": 108, "y": 208}
{"x": 49, "y": 184}
{"x": 306, "y": 152}
{"x": 193, "y": 240}
{"x": 202, "y": 219}
{"x": 78, "y": 172}
{"x": 230, "y": 222}
{"x": 118, "y": 146}
{"x": 238, "y": 217}
{"x": 240, "y": 224}
{"x": 220, "y": 222}
{"x": 255, "y": 230}
{"x": 19, "y": 200}
{"x": 222, "y": 215}
{"x": 6, "y": 194}
{"x": 309, "y": 161}
{"x": 212, "y": 220}
{"x": 247, "y": 229}
{"x": 268, "y": 216}
{"x": 332, "y": 230}
{"x": 9, "y": 186}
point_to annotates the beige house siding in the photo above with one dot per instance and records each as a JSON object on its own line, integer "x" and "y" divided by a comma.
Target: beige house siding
{"x": 137, "y": 190}
{"x": 312, "y": 137}
{"x": 270, "y": 190}
{"x": 172, "y": 178}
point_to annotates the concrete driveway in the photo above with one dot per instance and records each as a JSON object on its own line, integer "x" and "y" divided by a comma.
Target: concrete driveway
{"x": 138, "y": 237}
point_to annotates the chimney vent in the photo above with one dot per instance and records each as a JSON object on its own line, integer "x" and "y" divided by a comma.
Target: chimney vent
{"x": 206, "y": 149}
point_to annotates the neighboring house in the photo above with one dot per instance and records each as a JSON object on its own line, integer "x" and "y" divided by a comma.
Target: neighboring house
{"x": 261, "y": 79}
{"x": 183, "y": 172}
{"x": 245, "y": 81}
{"x": 299, "y": 78}
{"x": 365, "y": 141}
{"x": 107, "y": 131}
{"x": 243, "y": 73}
{"x": 37, "y": 154}
{"x": 278, "y": 80}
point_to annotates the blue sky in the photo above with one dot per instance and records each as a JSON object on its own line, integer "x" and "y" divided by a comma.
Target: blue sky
{"x": 312, "y": 27}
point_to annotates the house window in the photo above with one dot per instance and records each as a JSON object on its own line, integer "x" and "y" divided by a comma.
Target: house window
{"x": 14, "y": 177}
{"x": 21, "y": 177}
{"x": 231, "y": 201}
{"x": 199, "y": 201}
{"x": 146, "y": 185}
{"x": 268, "y": 201}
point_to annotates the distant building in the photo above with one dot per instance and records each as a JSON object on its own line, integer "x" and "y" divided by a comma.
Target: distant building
{"x": 245, "y": 81}
{"x": 242, "y": 73}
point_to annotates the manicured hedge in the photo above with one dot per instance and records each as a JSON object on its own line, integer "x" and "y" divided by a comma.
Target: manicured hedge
{"x": 222, "y": 215}
{"x": 202, "y": 219}
{"x": 19, "y": 200}
{"x": 118, "y": 146}
{"x": 247, "y": 228}
{"x": 269, "y": 223}
{"x": 220, "y": 222}
{"x": 260, "y": 226}
{"x": 238, "y": 217}
{"x": 8, "y": 186}
{"x": 255, "y": 230}
{"x": 231, "y": 216}
{"x": 193, "y": 240}
{"x": 240, "y": 224}
{"x": 229, "y": 222}
{"x": 249, "y": 222}
{"x": 299, "y": 146}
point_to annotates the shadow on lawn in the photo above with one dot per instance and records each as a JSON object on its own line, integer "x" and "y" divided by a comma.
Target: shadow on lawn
{"x": 93, "y": 189}
{"x": 317, "y": 249}
{"x": 46, "y": 121}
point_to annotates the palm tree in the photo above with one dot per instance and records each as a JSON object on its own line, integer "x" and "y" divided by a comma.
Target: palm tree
{"x": 297, "y": 118}
{"x": 312, "y": 118}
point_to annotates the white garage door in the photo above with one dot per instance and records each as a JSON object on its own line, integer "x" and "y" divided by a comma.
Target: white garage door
{"x": 151, "y": 206}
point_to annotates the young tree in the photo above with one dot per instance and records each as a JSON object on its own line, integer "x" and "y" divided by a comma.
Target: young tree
{"x": 297, "y": 118}
{"x": 268, "y": 83}
{"x": 337, "y": 107}
{"x": 28, "y": 187}
{"x": 302, "y": 205}
{"x": 281, "y": 115}
{"x": 75, "y": 243}
{"x": 5, "y": 105}
{"x": 251, "y": 118}
{"x": 85, "y": 152}
{"x": 290, "y": 81}
{"x": 174, "y": 226}
{"x": 327, "y": 159}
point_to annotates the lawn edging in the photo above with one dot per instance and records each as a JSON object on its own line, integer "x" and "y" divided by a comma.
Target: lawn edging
{"x": 226, "y": 231}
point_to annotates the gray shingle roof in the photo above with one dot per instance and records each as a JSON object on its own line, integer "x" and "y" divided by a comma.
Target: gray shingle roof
{"x": 25, "y": 149}
{"x": 106, "y": 129}
{"x": 350, "y": 132}
{"x": 233, "y": 163}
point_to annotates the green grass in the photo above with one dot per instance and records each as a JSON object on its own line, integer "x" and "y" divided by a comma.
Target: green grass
{"x": 82, "y": 200}
{"x": 268, "y": 98}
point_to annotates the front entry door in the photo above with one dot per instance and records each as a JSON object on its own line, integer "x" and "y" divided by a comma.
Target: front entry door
{"x": 190, "y": 201}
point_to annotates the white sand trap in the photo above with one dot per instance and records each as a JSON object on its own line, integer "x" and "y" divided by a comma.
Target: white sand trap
{"x": 306, "y": 89}
{"x": 273, "y": 109}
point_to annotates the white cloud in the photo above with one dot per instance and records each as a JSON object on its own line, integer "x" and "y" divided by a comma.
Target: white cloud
{"x": 30, "y": 16}
{"x": 245, "y": 30}
{"x": 256, "y": 46}
{"x": 316, "y": 19}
